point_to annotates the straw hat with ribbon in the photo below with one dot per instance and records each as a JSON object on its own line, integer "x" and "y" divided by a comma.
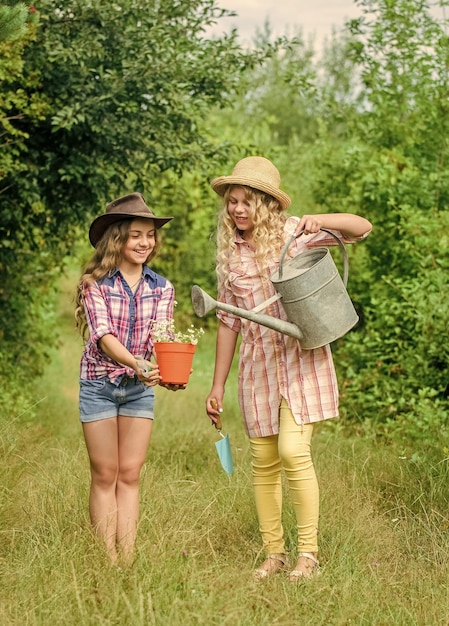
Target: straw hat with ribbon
{"x": 131, "y": 206}
{"x": 256, "y": 172}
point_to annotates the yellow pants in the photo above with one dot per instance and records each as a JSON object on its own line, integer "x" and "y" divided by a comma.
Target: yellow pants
{"x": 290, "y": 450}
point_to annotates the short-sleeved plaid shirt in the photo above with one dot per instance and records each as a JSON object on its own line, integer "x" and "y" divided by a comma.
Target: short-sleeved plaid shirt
{"x": 112, "y": 308}
{"x": 271, "y": 364}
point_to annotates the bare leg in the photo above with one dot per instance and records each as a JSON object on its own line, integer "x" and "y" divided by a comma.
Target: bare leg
{"x": 134, "y": 437}
{"x": 102, "y": 447}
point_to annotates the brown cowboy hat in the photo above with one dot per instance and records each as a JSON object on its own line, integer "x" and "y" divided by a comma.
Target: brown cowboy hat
{"x": 131, "y": 206}
{"x": 256, "y": 172}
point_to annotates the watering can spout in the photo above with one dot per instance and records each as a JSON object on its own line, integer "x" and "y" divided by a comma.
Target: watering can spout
{"x": 203, "y": 303}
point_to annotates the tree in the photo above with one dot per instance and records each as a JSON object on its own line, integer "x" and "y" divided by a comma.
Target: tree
{"x": 13, "y": 17}
{"x": 97, "y": 96}
{"x": 398, "y": 368}
{"x": 375, "y": 110}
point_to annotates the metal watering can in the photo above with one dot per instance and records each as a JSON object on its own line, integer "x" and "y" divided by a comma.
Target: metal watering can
{"x": 313, "y": 294}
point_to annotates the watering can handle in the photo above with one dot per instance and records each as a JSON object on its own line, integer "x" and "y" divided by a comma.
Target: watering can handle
{"x": 338, "y": 240}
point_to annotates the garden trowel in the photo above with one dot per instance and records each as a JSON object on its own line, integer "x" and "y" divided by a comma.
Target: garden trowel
{"x": 223, "y": 445}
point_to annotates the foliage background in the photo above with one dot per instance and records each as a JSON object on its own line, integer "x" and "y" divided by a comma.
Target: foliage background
{"x": 97, "y": 99}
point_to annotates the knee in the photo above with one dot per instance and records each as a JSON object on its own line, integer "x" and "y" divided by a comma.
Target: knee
{"x": 104, "y": 476}
{"x": 266, "y": 468}
{"x": 129, "y": 474}
{"x": 264, "y": 456}
{"x": 296, "y": 457}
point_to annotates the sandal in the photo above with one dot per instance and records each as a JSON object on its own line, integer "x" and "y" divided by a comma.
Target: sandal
{"x": 273, "y": 564}
{"x": 309, "y": 571}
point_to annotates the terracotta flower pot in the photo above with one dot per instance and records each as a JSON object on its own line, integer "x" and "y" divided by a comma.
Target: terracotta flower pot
{"x": 174, "y": 361}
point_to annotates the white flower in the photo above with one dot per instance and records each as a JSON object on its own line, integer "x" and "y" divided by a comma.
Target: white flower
{"x": 163, "y": 332}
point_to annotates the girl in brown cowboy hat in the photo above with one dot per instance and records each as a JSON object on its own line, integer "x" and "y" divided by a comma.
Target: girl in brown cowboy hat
{"x": 283, "y": 391}
{"x": 117, "y": 298}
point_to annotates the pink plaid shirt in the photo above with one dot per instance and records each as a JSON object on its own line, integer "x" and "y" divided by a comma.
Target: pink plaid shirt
{"x": 271, "y": 364}
{"x": 112, "y": 308}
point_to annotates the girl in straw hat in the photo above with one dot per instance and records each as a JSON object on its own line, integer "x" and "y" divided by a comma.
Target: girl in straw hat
{"x": 283, "y": 391}
{"x": 118, "y": 296}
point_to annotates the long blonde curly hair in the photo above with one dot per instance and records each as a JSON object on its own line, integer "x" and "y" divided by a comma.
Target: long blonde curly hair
{"x": 104, "y": 262}
{"x": 268, "y": 218}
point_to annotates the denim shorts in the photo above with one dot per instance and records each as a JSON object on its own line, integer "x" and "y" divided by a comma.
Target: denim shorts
{"x": 101, "y": 399}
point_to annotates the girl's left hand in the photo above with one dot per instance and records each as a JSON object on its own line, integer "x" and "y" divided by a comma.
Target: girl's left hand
{"x": 172, "y": 387}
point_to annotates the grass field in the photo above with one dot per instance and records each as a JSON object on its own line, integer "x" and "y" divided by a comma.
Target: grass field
{"x": 384, "y": 533}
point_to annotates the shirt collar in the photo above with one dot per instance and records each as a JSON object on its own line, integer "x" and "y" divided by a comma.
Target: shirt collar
{"x": 110, "y": 279}
{"x": 238, "y": 237}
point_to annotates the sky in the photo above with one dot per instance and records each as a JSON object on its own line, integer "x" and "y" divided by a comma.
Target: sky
{"x": 315, "y": 17}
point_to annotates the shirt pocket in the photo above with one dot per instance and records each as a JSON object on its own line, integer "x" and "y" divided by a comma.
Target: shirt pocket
{"x": 148, "y": 306}
{"x": 241, "y": 284}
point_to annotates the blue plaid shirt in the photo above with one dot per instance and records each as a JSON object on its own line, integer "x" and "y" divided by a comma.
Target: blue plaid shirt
{"x": 112, "y": 308}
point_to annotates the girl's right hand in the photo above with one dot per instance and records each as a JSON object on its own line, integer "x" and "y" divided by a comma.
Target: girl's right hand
{"x": 214, "y": 408}
{"x": 147, "y": 372}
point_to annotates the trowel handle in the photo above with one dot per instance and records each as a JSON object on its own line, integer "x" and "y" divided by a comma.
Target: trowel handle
{"x": 214, "y": 405}
{"x": 142, "y": 365}
{"x": 337, "y": 239}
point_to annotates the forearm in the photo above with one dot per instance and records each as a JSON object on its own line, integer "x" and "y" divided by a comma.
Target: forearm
{"x": 226, "y": 342}
{"x": 348, "y": 224}
{"x": 117, "y": 351}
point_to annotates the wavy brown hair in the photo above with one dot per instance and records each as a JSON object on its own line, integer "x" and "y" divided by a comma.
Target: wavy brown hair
{"x": 268, "y": 218}
{"x": 105, "y": 260}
